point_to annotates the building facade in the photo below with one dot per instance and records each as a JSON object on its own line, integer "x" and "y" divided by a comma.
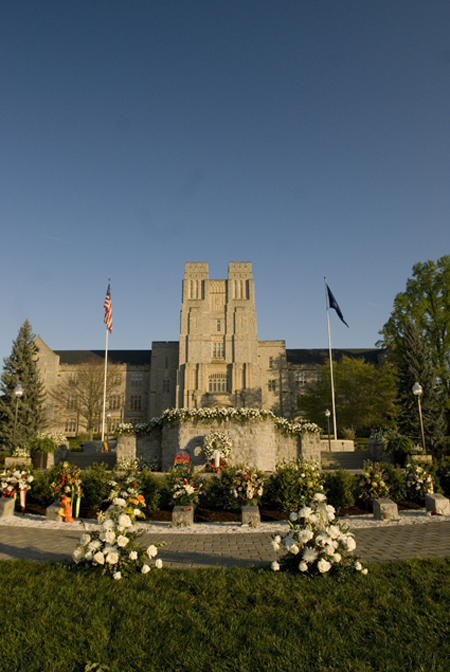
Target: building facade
{"x": 218, "y": 361}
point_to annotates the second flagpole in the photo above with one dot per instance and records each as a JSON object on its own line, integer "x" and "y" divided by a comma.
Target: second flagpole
{"x": 330, "y": 352}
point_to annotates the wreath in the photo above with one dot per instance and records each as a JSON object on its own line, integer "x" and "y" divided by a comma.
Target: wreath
{"x": 217, "y": 441}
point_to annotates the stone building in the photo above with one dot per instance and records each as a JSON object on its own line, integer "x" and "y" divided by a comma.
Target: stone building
{"x": 218, "y": 360}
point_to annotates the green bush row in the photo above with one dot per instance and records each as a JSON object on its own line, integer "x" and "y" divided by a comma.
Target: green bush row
{"x": 290, "y": 488}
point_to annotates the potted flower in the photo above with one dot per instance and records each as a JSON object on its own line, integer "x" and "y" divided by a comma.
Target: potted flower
{"x": 247, "y": 489}
{"x": 185, "y": 489}
{"x": 41, "y": 445}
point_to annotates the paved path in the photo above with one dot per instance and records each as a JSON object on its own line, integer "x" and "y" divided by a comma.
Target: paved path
{"x": 232, "y": 550}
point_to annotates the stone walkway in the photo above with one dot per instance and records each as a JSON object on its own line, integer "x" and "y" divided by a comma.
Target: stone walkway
{"x": 186, "y": 550}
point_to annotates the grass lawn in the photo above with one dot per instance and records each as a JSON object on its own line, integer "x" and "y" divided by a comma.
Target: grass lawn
{"x": 395, "y": 619}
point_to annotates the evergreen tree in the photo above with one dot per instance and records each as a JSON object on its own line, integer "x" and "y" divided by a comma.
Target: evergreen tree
{"x": 21, "y": 367}
{"x": 414, "y": 363}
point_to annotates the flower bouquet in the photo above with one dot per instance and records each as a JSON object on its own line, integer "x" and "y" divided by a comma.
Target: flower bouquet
{"x": 16, "y": 479}
{"x": 126, "y": 486}
{"x": 185, "y": 486}
{"x": 316, "y": 543}
{"x": 372, "y": 482}
{"x": 114, "y": 547}
{"x": 247, "y": 487}
{"x": 418, "y": 482}
{"x": 67, "y": 484}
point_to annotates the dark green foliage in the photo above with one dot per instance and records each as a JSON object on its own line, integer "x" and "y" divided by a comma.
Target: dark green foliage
{"x": 413, "y": 359}
{"x": 396, "y": 481}
{"x": 214, "y": 496}
{"x": 365, "y": 395}
{"x": 341, "y": 489}
{"x": 399, "y": 447}
{"x": 151, "y": 487}
{"x": 21, "y": 368}
{"x": 426, "y": 301}
{"x": 94, "y": 485}
{"x": 441, "y": 471}
{"x": 216, "y": 620}
{"x": 41, "y": 492}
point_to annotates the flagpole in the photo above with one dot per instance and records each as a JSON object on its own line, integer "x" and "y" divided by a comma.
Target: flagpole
{"x": 108, "y": 322}
{"x": 333, "y": 400}
{"x": 104, "y": 386}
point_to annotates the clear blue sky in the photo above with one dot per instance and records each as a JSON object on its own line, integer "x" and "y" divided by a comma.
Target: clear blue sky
{"x": 310, "y": 137}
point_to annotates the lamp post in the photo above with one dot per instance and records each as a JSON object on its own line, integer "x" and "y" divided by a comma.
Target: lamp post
{"x": 418, "y": 391}
{"x": 327, "y": 415}
{"x": 18, "y": 392}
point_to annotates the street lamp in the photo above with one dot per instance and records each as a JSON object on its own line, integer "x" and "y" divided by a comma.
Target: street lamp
{"x": 418, "y": 391}
{"x": 327, "y": 415}
{"x": 18, "y": 392}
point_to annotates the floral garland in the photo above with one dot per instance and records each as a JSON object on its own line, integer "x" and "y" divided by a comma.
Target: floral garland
{"x": 217, "y": 441}
{"x": 247, "y": 486}
{"x": 114, "y": 548}
{"x": 240, "y": 415}
{"x": 316, "y": 543}
{"x": 372, "y": 481}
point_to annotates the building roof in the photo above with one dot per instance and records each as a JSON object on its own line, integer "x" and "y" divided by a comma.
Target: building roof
{"x": 131, "y": 357}
{"x": 320, "y": 355}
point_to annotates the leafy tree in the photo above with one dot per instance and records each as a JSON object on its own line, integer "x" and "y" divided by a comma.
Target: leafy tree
{"x": 365, "y": 395}
{"x": 413, "y": 360}
{"x": 82, "y": 391}
{"x": 21, "y": 367}
{"x": 426, "y": 301}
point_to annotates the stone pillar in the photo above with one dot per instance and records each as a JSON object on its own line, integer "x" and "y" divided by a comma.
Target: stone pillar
{"x": 126, "y": 448}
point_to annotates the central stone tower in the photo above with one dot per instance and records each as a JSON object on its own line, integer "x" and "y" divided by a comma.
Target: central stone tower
{"x": 218, "y": 349}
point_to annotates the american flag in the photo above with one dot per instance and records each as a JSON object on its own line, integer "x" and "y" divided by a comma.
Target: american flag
{"x": 107, "y": 307}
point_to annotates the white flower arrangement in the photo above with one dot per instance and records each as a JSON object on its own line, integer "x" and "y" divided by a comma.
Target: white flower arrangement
{"x": 21, "y": 452}
{"x": 15, "y": 479}
{"x": 316, "y": 543}
{"x": 114, "y": 547}
{"x": 219, "y": 441}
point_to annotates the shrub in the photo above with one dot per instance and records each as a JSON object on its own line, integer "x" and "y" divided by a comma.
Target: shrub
{"x": 41, "y": 492}
{"x": 341, "y": 489}
{"x": 94, "y": 484}
{"x": 395, "y": 477}
{"x": 440, "y": 470}
{"x": 294, "y": 483}
{"x": 151, "y": 488}
{"x": 214, "y": 496}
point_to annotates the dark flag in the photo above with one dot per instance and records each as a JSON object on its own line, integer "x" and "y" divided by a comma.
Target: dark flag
{"x": 334, "y": 304}
{"x": 107, "y": 307}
